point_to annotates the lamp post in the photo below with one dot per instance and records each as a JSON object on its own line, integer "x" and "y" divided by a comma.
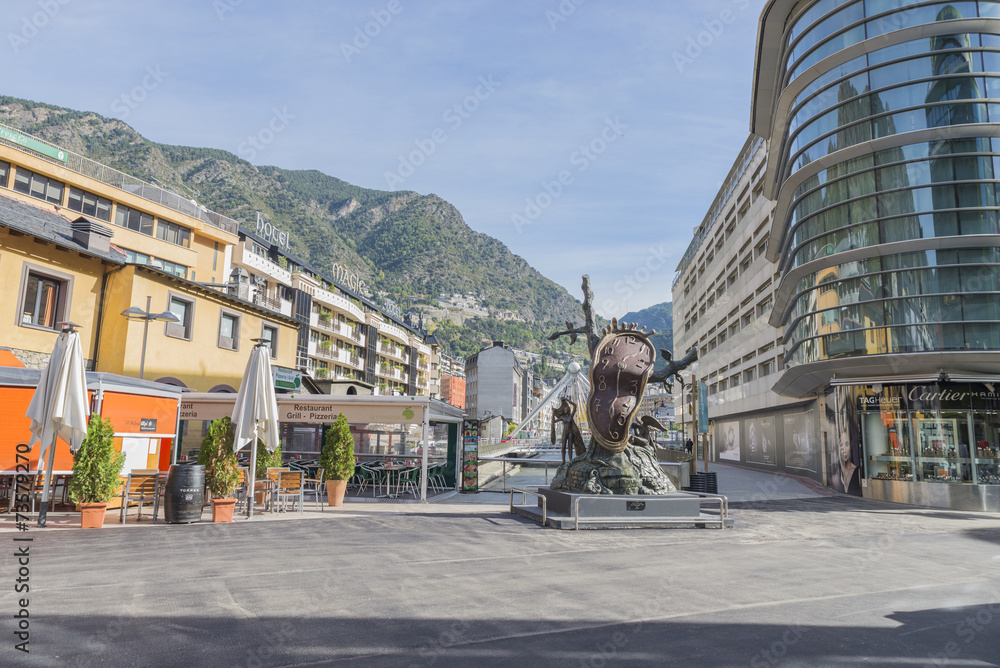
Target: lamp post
{"x": 136, "y": 313}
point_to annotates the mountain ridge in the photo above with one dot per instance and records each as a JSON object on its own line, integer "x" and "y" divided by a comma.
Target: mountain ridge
{"x": 404, "y": 244}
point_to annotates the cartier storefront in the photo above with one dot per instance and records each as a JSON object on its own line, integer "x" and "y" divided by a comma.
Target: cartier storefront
{"x": 931, "y": 443}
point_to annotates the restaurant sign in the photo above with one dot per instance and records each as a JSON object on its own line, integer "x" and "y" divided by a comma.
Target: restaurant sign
{"x": 303, "y": 411}
{"x": 286, "y": 379}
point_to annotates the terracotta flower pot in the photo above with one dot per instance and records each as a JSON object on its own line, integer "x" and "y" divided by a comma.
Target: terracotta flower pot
{"x": 92, "y": 515}
{"x": 222, "y": 510}
{"x": 335, "y": 491}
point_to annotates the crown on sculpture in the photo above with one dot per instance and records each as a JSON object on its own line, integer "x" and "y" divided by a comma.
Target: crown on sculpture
{"x": 626, "y": 328}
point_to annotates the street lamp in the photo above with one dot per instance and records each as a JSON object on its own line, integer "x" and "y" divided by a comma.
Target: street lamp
{"x": 136, "y": 313}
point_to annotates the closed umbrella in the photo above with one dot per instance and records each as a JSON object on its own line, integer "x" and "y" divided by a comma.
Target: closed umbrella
{"x": 59, "y": 406}
{"x": 255, "y": 415}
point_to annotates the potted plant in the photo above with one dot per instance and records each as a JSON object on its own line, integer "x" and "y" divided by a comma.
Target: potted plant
{"x": 337, "y": 459}
{"x": 222, "y": 470}
{"x": 96, "y": 472}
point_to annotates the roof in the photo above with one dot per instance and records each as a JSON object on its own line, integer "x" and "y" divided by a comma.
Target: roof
{"x": 48, "y": 226}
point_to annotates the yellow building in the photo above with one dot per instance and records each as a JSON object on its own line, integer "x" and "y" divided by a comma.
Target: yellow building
{"x": 83, "y": 242}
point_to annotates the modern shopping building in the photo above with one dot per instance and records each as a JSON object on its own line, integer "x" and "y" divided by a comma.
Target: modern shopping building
{"x": 882, "y": 127}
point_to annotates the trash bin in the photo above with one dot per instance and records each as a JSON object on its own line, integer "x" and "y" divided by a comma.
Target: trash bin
{"x": 705, "y": 483}
{"x": 184, "y": 495}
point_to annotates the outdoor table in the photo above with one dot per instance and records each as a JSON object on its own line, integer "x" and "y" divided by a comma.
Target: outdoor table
{"x": 266, "y": 487}
{"x": 387, "y": 471}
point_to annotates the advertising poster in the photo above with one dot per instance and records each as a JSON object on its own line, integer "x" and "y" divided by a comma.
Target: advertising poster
{"x": 470, "y": 456}
{"x": 801, "y": 451}
{"x": 760, "y": 441}
{"x": 729, "y": 441}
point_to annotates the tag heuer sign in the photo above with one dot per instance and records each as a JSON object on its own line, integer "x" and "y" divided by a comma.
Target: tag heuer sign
{"x": 147, "y": 424}
{"x": 286, "y": 379}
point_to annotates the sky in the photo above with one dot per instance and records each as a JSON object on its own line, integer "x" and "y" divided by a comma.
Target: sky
{"x": 590, "y": 137}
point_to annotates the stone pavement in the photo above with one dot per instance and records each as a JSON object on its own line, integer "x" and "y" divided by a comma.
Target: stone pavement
{"x": 805, "y": 579}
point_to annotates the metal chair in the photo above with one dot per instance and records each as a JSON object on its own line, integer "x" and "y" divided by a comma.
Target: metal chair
{"x": 315, "y": 485}
{"x": 290, "y": 487}
{"x": 141, "y": 485}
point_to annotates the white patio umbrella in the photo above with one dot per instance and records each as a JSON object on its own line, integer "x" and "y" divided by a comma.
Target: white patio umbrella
{"x": 255, "y": 415}
{"x": 59, "y": 406}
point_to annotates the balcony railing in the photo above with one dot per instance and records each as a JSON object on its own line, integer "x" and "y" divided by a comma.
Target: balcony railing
{"x": 267, "y": 302}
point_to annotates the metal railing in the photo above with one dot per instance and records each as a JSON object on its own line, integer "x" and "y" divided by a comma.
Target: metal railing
{"x": 130, "y": 184}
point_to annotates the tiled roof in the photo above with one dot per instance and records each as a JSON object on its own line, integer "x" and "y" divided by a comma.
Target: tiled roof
{"x": 47, "y": 226}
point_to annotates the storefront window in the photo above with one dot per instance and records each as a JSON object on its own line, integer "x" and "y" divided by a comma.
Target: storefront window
{"x": 940, "y": 432}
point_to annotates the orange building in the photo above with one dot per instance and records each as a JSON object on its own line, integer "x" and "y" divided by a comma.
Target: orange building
{"x": 453, "y": 390}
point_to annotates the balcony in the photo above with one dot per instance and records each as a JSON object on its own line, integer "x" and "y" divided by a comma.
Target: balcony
{"x": 337, "y": 302}
{"x": 264, "y": 266}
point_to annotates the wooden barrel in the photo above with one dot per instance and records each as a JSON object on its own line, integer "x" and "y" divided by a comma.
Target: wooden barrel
{"x": 185, "y": 494}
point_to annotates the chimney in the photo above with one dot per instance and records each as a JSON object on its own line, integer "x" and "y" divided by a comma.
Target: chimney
{"x": 92, "y": 236}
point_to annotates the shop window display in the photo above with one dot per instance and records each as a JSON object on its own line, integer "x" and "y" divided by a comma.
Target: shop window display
{"x": 939, "y": 433}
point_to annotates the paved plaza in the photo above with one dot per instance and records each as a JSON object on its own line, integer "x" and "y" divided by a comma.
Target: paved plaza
{"x": 807, "y": 578}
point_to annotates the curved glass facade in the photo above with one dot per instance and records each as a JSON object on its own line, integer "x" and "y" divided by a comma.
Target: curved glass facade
{"x": 942, "y": 185}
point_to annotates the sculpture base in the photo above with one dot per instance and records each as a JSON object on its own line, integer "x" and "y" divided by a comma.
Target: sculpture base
{"x": 598, "y": 471}
{"x": 565, "y": 510}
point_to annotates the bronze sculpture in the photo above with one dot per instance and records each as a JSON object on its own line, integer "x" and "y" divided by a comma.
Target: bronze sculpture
{"x": 572, "y": 439}
{"x": 617, "y": 461}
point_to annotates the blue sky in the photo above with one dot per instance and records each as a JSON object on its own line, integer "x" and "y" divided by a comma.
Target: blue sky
{"x": 590, "y": 137}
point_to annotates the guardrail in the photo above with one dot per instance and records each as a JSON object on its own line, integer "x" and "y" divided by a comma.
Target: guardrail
{"x": 519, "y": 460}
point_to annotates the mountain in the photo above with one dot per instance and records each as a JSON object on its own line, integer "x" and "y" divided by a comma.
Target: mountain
{"x": 659, "y": 317}
{"x": 402, "y": 243}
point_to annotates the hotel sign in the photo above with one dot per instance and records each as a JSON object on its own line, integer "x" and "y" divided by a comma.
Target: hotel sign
{"x": 32, "y": 144}
{"x": 272, "y": 235}
{"x": 349, "y": 278}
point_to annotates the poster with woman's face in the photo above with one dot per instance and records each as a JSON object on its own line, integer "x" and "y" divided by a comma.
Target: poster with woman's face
{"x": 729, "y": 441}
{"x": 761, "y": 447}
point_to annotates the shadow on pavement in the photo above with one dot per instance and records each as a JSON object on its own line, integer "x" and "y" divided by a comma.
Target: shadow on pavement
{"x": 942, "y": 636}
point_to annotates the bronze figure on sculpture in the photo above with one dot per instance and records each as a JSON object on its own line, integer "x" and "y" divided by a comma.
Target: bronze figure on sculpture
{"x": 572, "y": 439}
{"x": 618, "y": 461}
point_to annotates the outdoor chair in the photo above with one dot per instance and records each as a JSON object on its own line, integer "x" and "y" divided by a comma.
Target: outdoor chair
{"x": 141, "y": 485}
{"x": 409, "y": 482}
{"x": 37, "y": 487}
{"x": 243, "y": 491}
{"x": 290, "y": 487}
{"x": 363, "y": 477}
{"x": 315, "y": 485}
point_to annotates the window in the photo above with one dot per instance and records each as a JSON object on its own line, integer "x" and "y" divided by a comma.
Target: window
{"x": 134, "y": 220}
{"x": 38, "y": 186}
{"x": 270, "y": 335}
{"x": 43, "y": 300}
{"x": 229, "y": 330}
{"x": 4, "y": 173}
{"x": 184, "y": 310}
{"x": 174, "y": 233}
{"x": 89, "y": 204}
{"x": 749, "y": 375}
{"x": 134, "y": 257}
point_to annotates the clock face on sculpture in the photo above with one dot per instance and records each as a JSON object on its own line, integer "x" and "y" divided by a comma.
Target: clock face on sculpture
{"x": 621, "y": 365}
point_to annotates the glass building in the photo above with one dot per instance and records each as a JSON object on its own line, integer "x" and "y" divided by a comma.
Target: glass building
{"x": 882, "y": 119}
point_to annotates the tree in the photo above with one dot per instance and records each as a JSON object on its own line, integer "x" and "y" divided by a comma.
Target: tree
{"x": 96, "y": 465}
{"x": 337, "y": 458}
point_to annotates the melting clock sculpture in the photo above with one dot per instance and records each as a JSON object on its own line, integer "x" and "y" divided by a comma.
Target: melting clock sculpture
{"x": 621, "y": 457}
